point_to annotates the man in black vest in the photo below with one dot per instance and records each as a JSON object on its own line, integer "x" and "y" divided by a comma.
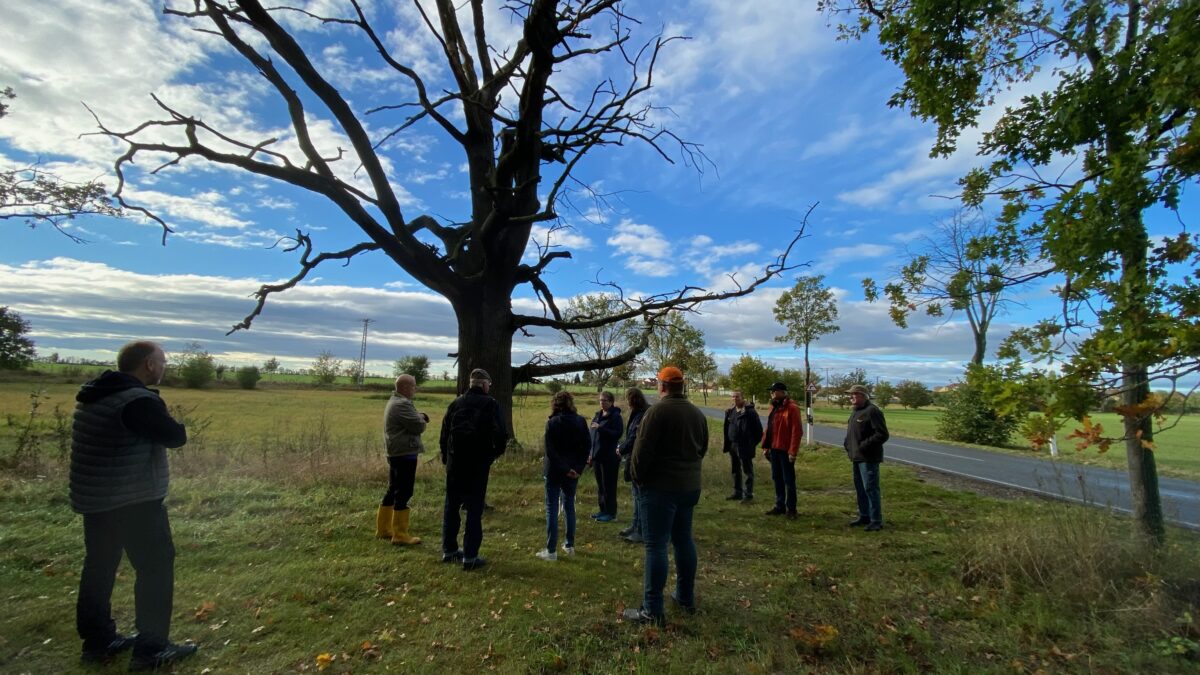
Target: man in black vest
{"x": 473, "y": 436}
{"x": 118, "y": 482}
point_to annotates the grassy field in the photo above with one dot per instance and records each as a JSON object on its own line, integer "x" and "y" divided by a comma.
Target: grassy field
{"x": 272, "y": 508}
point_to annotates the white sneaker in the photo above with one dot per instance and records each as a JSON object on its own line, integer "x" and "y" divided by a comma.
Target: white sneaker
{"x": 549, "y": 556}
{"x": 569, "y": 550}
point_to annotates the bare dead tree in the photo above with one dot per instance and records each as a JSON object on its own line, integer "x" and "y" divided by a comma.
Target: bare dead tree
{"x": 517, "y": 131}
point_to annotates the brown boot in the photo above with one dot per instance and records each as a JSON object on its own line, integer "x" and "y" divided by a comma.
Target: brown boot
{"x": 400, "y": 528}
{"x": 383, "y": 522}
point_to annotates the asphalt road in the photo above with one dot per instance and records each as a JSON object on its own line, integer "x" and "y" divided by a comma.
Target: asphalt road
{"x": 1094, "y": 486}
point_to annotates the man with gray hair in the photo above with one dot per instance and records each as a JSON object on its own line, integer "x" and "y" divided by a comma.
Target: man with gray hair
{"x": 866, "y": 432}
{"x": 473, "y": 436}
{"x": 119, "y": 477}
{"x": 402, "y": 429}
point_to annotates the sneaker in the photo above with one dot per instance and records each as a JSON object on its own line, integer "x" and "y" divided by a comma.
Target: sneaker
{"x": 605, "y": 518}
{"x": 597, "y": 515}
{"x": 861, "y": 520}
{"x": 626, "y": 532}
{"x": 547, "y": 555}
{"x": 776, "y": 512}
{"x": 453, "y": 556}
{"x": 635, "y": 538}
{"x": 473, "y": 563}
{"x": 874, "y": 527}
{"x": 165, "y": 656}
{"x": 107, "y": 652}
{"x": 569, "y": 550}
{"x": 640, "y": 615}
{"x": 690, "y": 609}
{"x": 735, "y": 497}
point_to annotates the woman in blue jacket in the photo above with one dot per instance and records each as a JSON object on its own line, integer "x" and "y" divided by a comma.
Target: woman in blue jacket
{"x": 606, "y": 431}
{"x": 567, "y": 444}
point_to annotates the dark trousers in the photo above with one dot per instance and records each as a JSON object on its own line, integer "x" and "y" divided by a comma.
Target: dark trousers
{"x": 866, "y": 489}
{"x": 667, "y": 519}
{"x": 142, "y": 532}
{"x": 783, "y": 474}
{"x": 467, "y": 488}
{"x": 741, "y": 463}
{"x": 607, "y": 472}
{"x": 560, "y": 490}
{"x": 402, "y": 473}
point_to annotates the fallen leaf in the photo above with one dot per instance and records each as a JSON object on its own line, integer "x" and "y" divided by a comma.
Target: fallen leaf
{"x": 324, "y": 660}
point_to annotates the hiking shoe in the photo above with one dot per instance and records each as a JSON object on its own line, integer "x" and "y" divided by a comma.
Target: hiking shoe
{"x": 776, "y": 512}
{"x": 165, "y": 656}
{"x": 635, "y": 538}
{"x": 547, "y": 555}
{"x": 690, "y": 609}
{"x": 108, "y": 652}
{"x": 568, "y": 550}
{"x": 597, "y": 515}
{"x": 453, "y": 556}
{"x": 640, "y": 615}
{"x": 874, "y": 527}
{"x": 605, "y": 518}
{"x": 626, "y": 532}
{"x": 858, "y": 522}
{"x": 473, "y": 563}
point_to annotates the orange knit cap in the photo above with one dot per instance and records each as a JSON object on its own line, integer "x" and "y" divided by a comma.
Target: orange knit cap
{"x": 670, "y": 374}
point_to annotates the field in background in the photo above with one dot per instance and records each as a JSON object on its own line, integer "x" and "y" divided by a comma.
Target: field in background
{"x": 272, "y": 509}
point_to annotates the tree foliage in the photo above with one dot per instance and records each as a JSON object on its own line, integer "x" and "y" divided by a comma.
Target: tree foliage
{"x": 913, "y": 394}
{"x": 195, "y": 366}
{"x": 884, "y": 392}
{"x": 950, "y": 271}
{"x": 248, "y": 377}
{"x": 325, "y": 368}
{"x": 521, "y": 132}
{"x": 16, "y": 347}
{"x": 969, "y": 417}
{"x": 271, "y": 365}
{"x": 673, "y": 342}
{"x": 752, "y": 376}
{"x": 599, "y": 343}
{"x": 839, "y": 385}
{"x": 1118, "y": 108}
{"x": 40, "y": 197}
{"x": 416, "y": 365}
{"x": 808, "y": 310}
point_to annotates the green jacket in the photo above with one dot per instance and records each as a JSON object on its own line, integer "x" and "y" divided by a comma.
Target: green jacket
{"x": 402, "y": 427}
{"x": 670, "y": 446}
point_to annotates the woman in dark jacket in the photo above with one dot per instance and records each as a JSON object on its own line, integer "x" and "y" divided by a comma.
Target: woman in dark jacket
{"x": 606, "y": 431}
{"x": 567, "y": 444}
{"x": 636, "y": 401}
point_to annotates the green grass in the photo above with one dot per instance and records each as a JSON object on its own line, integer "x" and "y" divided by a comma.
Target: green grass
{"x": 272, "y": 510}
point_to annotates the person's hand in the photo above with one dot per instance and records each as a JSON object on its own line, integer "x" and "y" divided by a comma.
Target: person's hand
{"x": 766, "y": 454}
{"x": 426, "y": 416}
{"x": 595, "y": 425}
{"x": 792, "y": 459}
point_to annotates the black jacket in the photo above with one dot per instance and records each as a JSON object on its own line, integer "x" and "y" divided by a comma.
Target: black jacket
{"x": 866, "y": 432}
{"x": 626, "y": 447}
{"x": 567, "y": 444}
{"x": 119, "y": 437}
{"x": 491, "y": 438}
{"x": 606, "y": 436}
{"x": 743, "y": 430}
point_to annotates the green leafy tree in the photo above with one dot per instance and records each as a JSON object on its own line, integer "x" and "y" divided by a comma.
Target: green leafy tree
{"x": 839, "y": 384}
{"x": 913, "y": 394}
{"x": 16, "y": 348}
{"x": 417, "y": 366}
{"x": 752, "y": 376}
{"x": 624, "y": 374}
{"x": 598, "y": 344}
{"x": 271, "y": 366}
{"x": 36, "y": 196}
{"x": 325, "y": 368}
{"x": 808, "y": 310}
{"x": 1119, "y": 104}
{"x": 969, "y": 417}
{"x": 195, "y": 366}
{"x": 248, "y": 377}
{"x": 703, "y": 371}
{"x": 949, "y": 271}
{"x": 883, "y": 392}
{"x": 673, "y": 342}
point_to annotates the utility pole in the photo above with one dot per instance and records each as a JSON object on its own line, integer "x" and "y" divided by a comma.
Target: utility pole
{"x": 362, "y": 353}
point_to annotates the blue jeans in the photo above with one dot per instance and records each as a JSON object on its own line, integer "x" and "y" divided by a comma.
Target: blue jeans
{"x": 556, "y": 487}
{"x": 866, "y": 488}
{"x": 783, "y": 474}
{"x": 667, "y": 516}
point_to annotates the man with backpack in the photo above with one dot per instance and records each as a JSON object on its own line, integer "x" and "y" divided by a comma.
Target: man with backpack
{"x": 473, "y": 436}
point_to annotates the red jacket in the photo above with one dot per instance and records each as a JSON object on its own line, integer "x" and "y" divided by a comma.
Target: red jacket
{"x": 785, "y": 428}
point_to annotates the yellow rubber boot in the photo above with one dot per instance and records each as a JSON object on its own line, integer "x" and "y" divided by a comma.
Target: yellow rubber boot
{"x": 400, "y": 528}
{"x": 383, "y": 522}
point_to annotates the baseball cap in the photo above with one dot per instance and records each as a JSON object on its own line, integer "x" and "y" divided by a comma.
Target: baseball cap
{"x": 670, "y": 374}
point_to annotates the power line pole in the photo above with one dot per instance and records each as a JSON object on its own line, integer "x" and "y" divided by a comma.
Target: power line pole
{"x": 362, "y": 353}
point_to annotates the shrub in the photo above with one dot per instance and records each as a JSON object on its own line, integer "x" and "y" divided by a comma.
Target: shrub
{"x": 913, "y": 394}
{"x": 325, "y": 368}
{"x": 969, "y": 419}
{"x": 553, "y": 386}
{"x": 196, "y": 367}
{"x": 248, "y": 377}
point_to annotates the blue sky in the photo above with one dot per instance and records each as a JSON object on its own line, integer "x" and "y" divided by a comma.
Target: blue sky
{"x": 788, "y": 116}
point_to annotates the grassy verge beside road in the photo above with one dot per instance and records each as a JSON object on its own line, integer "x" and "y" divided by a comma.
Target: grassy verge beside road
{"x": 272, "y": 510}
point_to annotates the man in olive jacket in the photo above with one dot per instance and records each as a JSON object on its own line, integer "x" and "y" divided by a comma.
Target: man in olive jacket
{"x": 119, "y": 478}
{"x": 665, "y": 464}
{"x": 866, "y": 432}
{"x": 402, "y": 429}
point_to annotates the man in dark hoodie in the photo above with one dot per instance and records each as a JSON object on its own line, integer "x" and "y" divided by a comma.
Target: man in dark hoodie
{"x": 118, "y": 482}
{"x": 473, "y": 436}
{"x": 743, "y": 431}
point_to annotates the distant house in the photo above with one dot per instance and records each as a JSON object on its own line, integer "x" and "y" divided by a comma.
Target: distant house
{"x": 947, "y": 388}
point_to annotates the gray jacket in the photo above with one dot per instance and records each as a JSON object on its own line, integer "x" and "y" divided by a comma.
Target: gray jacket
{"x": 402, "y": 427}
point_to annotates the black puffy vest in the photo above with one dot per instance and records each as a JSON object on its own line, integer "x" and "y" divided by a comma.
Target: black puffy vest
{"x": 110, "y": 466}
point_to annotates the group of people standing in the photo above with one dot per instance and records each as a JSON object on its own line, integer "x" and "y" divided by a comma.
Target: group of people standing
{"x": 119, "y": 479}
